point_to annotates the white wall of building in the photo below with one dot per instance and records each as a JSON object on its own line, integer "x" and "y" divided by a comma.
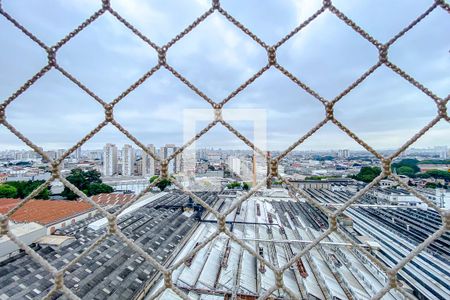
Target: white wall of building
{"x": 234, "y": 164}
{"x": 440, "y": 197}
{"x": 27, "y": 233}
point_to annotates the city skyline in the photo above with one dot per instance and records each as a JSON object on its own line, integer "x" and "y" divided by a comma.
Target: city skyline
{"x": 135, "y": 147}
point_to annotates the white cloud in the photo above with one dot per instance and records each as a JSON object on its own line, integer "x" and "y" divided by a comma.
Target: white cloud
{"x": 217, "y": 57}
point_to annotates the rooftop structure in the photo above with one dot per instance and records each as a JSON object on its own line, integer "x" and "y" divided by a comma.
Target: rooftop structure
{"x": 112, "y": 270}
{"x": 271, "y": 223}
{"x": 112, "y": 199}
{"x": 44, "y": 212}
{"x": 398, "y": 231}
{"x": 26, "y": 233}
{"x": 277, "y": 228}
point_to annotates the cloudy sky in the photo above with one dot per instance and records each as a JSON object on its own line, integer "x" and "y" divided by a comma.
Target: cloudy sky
{"x": 385, "y": 110}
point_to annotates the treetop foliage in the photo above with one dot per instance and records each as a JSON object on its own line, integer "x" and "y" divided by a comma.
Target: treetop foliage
{"x": 24, "y": 188}
{"x": 367, "y": 174}
{"x": 7, "y": 191}
{"x": 408, "y": 167}
{"x": 237, "y": 185}
{"x": 87, "y": 181}
{"x": 163, "y": 183}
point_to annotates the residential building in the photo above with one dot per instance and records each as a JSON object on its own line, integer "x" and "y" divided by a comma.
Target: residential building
{"x": 175, "y": 163}
{"x": 148, "y": 162}
{"x": 234, "y": 164}
{"x": 127, "y": 160}
{"x": 60, "y": 152}
{"x": 109, "y": 160}
{"x": 343, "y": 153}
{"x": 441, "y": 151}
{"x": 95, "y": 155}
{"x": 51, "y": 154}
{"x": 78, "y": 153}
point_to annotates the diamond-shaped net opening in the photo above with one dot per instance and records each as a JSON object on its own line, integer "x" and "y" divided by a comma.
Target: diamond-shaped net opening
{"x": 141, "y": 236}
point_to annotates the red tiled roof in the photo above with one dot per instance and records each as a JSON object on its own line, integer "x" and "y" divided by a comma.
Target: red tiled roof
{"x": 112, "y": 199}
{"x": 6, "y": 204}
{"x": 44, "y": 211}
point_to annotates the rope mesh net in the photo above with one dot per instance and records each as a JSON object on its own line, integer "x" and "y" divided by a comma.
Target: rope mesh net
{"x": 272, "y": 162}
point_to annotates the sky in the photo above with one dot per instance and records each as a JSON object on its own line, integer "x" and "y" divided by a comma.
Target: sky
{"x": 385, "y": 110}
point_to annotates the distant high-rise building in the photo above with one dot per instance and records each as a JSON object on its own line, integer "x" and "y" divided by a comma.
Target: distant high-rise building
{"x": 60, "y": 152}
{"x": 109, "y": 160}
{"x": 174, "y": 164}
{"x": 78, "y": 153}
{"x": 202, "y": 154}
{"x": 214, "y": 156}
{"x": 179, "y": 163}
{"x": 246, "y": 169}
{"x": 441, "y": 151}
{"x": 95, "y": 154}
{"x": 344, "y": 153}
{"x": 127, "y": 160}
{"x": 148, "y": 163}
{"x": 234, "y": 164}
{"x": 37, "y": 155}
{"x": 51, "y": 154}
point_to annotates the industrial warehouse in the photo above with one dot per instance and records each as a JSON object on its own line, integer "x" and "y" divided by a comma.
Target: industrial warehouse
{"x": 275, "y": 223}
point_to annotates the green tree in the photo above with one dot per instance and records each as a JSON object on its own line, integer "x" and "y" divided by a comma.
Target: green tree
{"x": 24, "y": 188}
{"x": 367, "y": 174}
{"x": 93, "y": 176}
{"x": 423, "y": 175}
{"x": 408, "y": 162}
{"x": 406, "y": 170}
{"x": 162, "y": 184}
{"x": 436, "y": 161}
{"x": 233, "y": 185}
{"x": 78, "y": 178}
{"x": 432, "y": 185}
{"x": 87, "y": 181}
{"x": 99, "y": 188}
{"x": 439, "y": 174}
{"x": 7, "y": 191}
{"x": 315, "y": 177}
